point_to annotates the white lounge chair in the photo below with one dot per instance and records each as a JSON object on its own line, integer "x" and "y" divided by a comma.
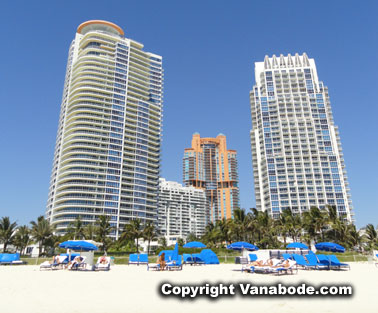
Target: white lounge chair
{"x": 102, "y": 266}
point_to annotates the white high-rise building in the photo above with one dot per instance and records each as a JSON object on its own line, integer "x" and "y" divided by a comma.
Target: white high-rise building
{"x": 107, "y": 153}
{"x": 182, "y": 210}
{"x": 296, "y": 150}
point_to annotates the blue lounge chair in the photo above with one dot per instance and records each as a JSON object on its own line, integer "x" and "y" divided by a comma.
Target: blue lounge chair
{"x": 324, "y": 260}
{"x": 301, "y": 261}
{"x": 252, "y": 257}
{"x": 287, "y": 256}
{"x": 143, "y": 258}
{"x": 133, "y": 259}
{"x": 10, "y": 259}
{"x": 188, "y": 259}
{"x": 335, "y": 263}
{"x": 175, "y": 264}
{"x": 197, "y": 259}
{"x": 313, "y": 261}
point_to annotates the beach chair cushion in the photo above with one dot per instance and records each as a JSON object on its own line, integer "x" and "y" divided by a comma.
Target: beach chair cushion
{"x": 133, "y": 258}
{"x": 143, "y": 258}
{"x": 252, "y": 257}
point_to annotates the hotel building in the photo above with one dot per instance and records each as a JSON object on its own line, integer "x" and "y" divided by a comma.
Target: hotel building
{"x": 296, "y": 150}
{"x": 107, "y": 153}
{"x": 181, "y": 211}
{"x": 209, "y": 166}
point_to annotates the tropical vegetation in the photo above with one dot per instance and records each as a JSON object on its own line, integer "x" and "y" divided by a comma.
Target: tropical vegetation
{"x": 254, "y": 226}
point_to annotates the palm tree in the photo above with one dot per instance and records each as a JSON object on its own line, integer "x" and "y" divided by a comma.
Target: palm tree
{"x": 316, "y": 222}
{"x": 102, "y": 230}
{"x": 149, "y": 233}
{"x": 191, "y": 237}
{"x": 76, "y": 228}
{"x": 89, "y": 231}
{"x": 240, "y": 224}
{"x": 41, "y": 231}
{"x": 371, "y": 236}
{"x": 7, "y": 230}
{"x": 22, "y": 237}
{"x": 133, "y": 231}
{"x": 162, "y": 242}
{"x": 356, "y": 239}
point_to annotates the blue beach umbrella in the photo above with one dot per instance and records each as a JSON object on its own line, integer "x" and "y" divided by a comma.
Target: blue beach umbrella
{"x": 296, "y": 245}
{"x": 194, "y": 244}
{"x": 240, "y": 245}
{"x": 175, "y": 252}
{"x": 329, "y": 246}
{"x": 78, "y": 245}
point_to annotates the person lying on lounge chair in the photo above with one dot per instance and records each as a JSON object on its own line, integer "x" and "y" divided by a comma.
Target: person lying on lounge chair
{"x": 161, "y": 261}
{"x": 103, "y": 260}
{"x": 76, "y": 260}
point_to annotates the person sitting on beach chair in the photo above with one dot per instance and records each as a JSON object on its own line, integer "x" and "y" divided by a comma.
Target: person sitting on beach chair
{"x": 161, "y": 261}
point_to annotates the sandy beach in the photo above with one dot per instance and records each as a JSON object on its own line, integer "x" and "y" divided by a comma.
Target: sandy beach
{"x": 134, "y": 289}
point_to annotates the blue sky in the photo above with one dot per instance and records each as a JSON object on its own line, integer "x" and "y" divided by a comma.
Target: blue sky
{"x": 209, "y": 49}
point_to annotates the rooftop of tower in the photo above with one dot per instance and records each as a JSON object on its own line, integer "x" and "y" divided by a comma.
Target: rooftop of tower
{"x": 101, "y": 26}
{"x": 284, "y": 62}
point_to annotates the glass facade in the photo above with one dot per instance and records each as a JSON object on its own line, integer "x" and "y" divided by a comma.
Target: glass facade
{"x": 296, "y": 150}
{"x": 107, "y": 154}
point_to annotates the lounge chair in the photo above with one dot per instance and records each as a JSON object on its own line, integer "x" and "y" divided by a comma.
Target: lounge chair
{"x": 313, "y": 261}
{"x": 301, "y": 261}
{"x": 335, "y": 263}
{"x": 376, "y": 263}
{"x": 102, "y": 266}
{"x": 60, "y": 261}
{"x": 323, "y": 259}
{"x": 143, "y": 258}
{"x": 134, "y": 259}
{"x": 78, "y": 265}
{"x": 175, "y": 264}
{"x": 10, "y": 259}
{"x": 252, "y": 257}
{"x": 287, "y": 256}
{"x": 153, "y": 266}
{"x": 188, "y": 259}
{"x": 278, "y": 268}
{"x": 197, "y": 259}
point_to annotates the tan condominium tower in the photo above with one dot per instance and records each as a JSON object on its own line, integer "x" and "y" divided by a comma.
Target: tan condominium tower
{"x": 208, "y": 165}
{"x": 107, "y": 152}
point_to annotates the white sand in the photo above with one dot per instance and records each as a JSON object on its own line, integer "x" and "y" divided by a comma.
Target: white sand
{"x": 133, "y": 289}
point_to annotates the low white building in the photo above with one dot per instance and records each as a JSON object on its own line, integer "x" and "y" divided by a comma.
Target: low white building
{"x": 181, "y": 211}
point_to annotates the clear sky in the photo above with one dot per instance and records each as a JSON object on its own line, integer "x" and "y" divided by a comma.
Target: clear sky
{"x": 209, "y": 49}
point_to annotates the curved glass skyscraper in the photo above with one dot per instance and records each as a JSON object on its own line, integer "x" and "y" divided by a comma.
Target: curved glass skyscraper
{"x": 107, "y": 154}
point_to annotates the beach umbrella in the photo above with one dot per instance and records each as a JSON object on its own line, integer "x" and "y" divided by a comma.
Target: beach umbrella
{"x": 241, "y": 245}
{"x": 296, "y": 245}
{"x": 329, "y": 246}
{"x": 175, "y": 252}
{"x": 78, "y": 245}
{"x": 194, "y": 244}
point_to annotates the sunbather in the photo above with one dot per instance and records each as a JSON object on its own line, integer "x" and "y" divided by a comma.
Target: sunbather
{"x": 161, "y": 261}
{"x": 103, "y": 260}
{"x": 76, "y": 260}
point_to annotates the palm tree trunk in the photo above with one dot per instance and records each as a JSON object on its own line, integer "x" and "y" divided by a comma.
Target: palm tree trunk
{"x": 5, "y": 246}
{"x": 39, "y": 248}
{"x": 137, "y": 247}
{"x": 148, "y": 247}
